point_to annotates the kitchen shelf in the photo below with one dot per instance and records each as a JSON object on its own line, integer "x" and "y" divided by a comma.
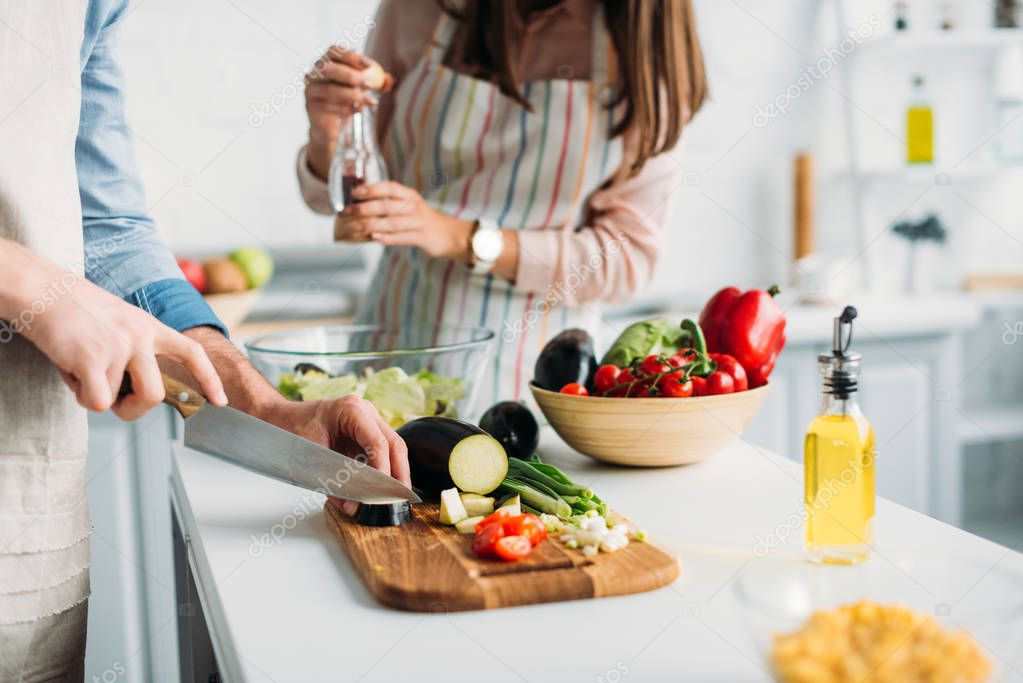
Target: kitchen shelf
{"x": 991, "y": 424}
{"x": 938, "y": 175}
{"x": 956, "y": 39}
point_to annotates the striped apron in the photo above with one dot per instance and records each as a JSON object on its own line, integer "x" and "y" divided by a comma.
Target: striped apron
{"x": 472, "y": 152}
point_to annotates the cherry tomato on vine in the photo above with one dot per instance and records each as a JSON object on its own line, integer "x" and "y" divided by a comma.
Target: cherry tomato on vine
{"x": 625, "y": 377}
{"x": 574, "y": 389}
{"x": 675, "y": 385}
{"x": 605, "y": 378}
{"x": 678, "y": 360}
{"x": 640, "y": 391}
{"x": 728, "y": 365}
{"x": 720, "y": 383}
{"x": 699, "y": 386}
{"x": 512, "y": 547}
{"x": 653, "y": 365}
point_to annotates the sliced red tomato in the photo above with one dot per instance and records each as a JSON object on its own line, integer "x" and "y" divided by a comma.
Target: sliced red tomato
{"x": 483, "y": 544}
{"x": 574, "y": 389}
{"x": 605, "y": 378}
{"x": 526, "y": 525}
{"x": 498, "y": 516}
{"x": 512, "y": 548}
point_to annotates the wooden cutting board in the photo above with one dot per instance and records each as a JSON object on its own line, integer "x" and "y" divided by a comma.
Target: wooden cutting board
{"x": 424, "y": 566}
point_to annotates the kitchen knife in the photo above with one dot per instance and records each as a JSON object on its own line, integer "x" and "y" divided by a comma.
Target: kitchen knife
{"x": 247, "y": 441}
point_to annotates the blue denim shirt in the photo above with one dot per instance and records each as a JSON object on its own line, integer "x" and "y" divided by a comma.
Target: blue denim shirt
{"x": 123, "y": 253}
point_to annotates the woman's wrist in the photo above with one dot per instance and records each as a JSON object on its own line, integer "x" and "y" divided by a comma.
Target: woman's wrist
{"x": 318, "y": 153}
{"x": 461, "y": 240}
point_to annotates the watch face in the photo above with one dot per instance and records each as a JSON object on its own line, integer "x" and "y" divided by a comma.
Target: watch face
{"x": 487, "y": 244}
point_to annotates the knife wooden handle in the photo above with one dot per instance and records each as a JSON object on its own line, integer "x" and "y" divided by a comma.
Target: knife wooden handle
{"x": 179, "y": 396}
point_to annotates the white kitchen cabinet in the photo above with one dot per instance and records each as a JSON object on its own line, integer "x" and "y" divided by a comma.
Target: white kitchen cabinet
{"x": 132, "y": 610}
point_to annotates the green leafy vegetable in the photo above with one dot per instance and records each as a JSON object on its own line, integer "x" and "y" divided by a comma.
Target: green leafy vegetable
{"x": 397, "y": 396}
{"x": 640, "y": 339}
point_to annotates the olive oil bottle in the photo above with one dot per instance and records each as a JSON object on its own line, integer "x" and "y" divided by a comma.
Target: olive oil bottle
{"x": 919, "y": 126}
{"x": 839, "y": 456}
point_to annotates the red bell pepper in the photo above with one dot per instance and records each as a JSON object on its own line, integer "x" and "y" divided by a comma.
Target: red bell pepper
{"x": 749, "y": 326}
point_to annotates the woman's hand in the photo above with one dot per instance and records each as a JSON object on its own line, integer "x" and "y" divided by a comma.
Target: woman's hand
{"x": 336, "y": 87}
{"x": 392, "y": 214}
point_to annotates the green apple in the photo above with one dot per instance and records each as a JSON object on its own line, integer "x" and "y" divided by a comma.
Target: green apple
{"x": 256, "y": 263}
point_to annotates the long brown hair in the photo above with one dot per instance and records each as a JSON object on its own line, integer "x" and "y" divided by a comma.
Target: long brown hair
{"x": 661, "y": 78}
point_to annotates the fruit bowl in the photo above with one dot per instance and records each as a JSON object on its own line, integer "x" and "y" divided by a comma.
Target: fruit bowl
{"x": 649, "y": 432}
{"x": 234, "y": 307}
{"x": 436, "y": 370}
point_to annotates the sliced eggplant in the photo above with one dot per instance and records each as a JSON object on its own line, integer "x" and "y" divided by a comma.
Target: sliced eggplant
{"x": 451, "y": 509}
{"x": 514, "y": 425}
{"x": 468, "y": 525}
{"x": 567, "y": 358}
{"x": 445, "y": 452}
{"x": 476, "y": 504}
{"x": 384, "y": 514}
{"x": 513, "y": 503}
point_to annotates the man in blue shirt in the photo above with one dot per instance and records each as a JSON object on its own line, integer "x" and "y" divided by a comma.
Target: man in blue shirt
{"x": 88, "y": 293}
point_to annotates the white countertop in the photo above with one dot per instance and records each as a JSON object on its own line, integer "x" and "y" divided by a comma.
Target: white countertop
{"x": 296, "y": 611}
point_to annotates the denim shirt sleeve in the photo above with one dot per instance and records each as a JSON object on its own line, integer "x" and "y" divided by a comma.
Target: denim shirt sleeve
{"x": 123, "y": 253}
{"x": 176, "y": 304}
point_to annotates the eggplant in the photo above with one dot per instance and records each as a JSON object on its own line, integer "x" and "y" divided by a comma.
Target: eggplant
{"x": 513, "y": 424}
{"x": 303, "y": 368}
{"x": 566, "y": 358}
{"x": 445, "y": 452}
{"x": 384, "y": 514}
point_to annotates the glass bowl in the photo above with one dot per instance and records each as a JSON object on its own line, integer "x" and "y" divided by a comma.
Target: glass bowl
{"x": 427, "y": 370}
{"x": 958, "y": 591}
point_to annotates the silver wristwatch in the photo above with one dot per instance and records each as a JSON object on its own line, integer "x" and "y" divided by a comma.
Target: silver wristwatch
{"x": 487, "y": 244}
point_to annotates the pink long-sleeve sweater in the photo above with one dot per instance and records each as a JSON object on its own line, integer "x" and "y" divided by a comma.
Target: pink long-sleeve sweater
{"x": 624, "y": 211}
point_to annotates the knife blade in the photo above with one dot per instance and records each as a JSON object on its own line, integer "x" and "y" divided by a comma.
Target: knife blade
{"x": 263, "y": 448}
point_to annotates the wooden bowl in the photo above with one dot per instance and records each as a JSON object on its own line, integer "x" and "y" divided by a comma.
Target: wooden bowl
{"x": 233, "y": 308}
{"x": 649, "y": 432}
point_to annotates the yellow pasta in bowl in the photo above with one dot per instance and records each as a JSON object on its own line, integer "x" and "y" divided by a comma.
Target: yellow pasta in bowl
{"x": 867, "y": 641}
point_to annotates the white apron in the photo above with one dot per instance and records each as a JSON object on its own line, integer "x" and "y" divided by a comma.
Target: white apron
{"x": 44, "y": 522}
{"x": 471, "y": 151}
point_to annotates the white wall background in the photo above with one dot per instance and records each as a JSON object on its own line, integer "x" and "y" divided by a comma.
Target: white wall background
{"x": 219, "y": 175}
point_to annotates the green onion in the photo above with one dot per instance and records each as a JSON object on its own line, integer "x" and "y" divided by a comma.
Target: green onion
{"x": 521, "y": 469}
{"x": 534, "y": 499}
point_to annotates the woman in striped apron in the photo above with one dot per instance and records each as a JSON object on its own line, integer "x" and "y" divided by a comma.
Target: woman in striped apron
{"x": 517, "y": 207}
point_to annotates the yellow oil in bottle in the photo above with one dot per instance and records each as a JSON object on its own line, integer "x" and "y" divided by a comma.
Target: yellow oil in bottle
{"x": 839, "y": 460}
{"x": 919, "y": 128}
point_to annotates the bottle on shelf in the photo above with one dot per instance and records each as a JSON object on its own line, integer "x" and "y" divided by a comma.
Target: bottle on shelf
{"x": 901, "y": 15}
{"x": 1007, "y": 14}
{"x": 838, "y": 460}
{"x": 1009, "y": 104}
{"x": 356, "y": 161}
{"x": 949, "y": 15}
{"x": 919, "y": 126}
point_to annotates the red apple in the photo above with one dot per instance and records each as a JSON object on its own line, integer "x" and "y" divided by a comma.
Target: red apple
{"x": 194, "y": 273}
